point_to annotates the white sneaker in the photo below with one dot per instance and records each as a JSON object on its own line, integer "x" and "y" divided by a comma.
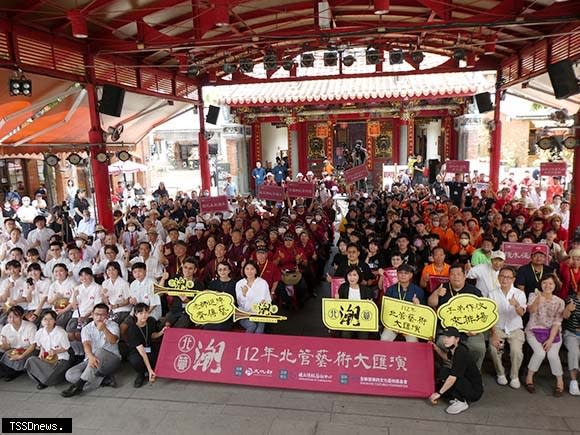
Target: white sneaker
{"x": 574, "y": 390}
{"x": 457, "y": 407}
{"x": 515, "y": 383}
{"x": 502, "y": 380}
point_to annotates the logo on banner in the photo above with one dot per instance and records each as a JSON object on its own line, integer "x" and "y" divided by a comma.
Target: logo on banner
{"x": 349, "y": 315}
{"x": 468, "y": 313}
{"x": 409, "y": 318}
{"x": 457, "y": 166}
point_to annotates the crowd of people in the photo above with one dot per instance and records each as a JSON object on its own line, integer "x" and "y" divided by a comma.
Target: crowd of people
{"x": 76, "y": 308}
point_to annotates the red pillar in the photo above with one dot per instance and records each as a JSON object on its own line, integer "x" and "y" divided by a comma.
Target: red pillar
{"x": 396, "y": 142}
{"x": 574, "y": 209}
{"x": 203, "y": 147}
{"x": 302, "y": 147}
{"x": 100, "y": 171}
{"x": 495, "y": 149}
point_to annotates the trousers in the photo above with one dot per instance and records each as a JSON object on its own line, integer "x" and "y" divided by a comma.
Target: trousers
{"x": 108, "y": 364}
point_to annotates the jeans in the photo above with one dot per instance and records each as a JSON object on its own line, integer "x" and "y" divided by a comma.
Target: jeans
{"x": 252, "y": 327}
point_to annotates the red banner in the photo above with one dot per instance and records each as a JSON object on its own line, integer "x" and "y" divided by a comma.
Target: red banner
{"x": 389, "y": 278}
{"x": 209, "y": 204}
{"x": 553, "y": 169}
{"x": 271, "y": 192}
{"x": 302, "y": 363}
{"x": 335, "y": 284}
{"x": 297, "y": 189}
{"x": 518, "y": 254}
{"x": 359, "y": 172}
{"x": 457, "y": 167}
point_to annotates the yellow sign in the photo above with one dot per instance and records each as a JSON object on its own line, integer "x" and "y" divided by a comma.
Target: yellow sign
{"x": 178, "y": 286}
{"x": 468, "y": 313}
{"x": 210, "y": 307}
{"x": 348, "y": 315}
{"x": 409, "y": 318}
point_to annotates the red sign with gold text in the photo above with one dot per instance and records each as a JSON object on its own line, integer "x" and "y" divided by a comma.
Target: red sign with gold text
{"x": 271, "y": 192}
{"x": 302, "y": 363}
{"x": 457, "y": 167}
{"x": 389, "y": 278}
{"x": 553, "y": 169}
{"x": 359, "y": 172}
{"x": 209, "y": 204}
{"x": 297, "y": 189}
{"x": 518, "y": 254}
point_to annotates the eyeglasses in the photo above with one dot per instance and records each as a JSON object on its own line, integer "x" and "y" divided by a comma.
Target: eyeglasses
{"x": 506, "y": 277}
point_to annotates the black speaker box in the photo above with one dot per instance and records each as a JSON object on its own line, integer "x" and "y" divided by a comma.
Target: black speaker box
{"x": 112, "y": 100}
{"x": 212, "y": 114}
{"x": 563, "y": 79}
{"x": 483, "y": 101}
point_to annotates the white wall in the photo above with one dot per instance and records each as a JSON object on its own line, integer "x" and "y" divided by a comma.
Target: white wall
{"x": 273, "y": 140}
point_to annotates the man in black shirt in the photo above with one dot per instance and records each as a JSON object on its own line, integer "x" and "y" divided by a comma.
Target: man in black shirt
{"x": 456, "y": 190}
{"x": 461, "y": 382}
{"x": 529, "y": 275}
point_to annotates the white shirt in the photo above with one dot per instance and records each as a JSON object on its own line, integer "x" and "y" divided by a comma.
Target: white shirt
{"x": 354, "y": 294}
{"x": 116, "y": 292}
{"x": 508, "y": 318}
{"x": 75, "y": 269}
{"x": 86, "y": 226}
{"x": 257, "y": 293}
{"x": 101, "y": 267}
{"x": 43, "y": 236}
{"x": 20, "y": 339}
{"x": 486, "y": 278}
{"x": 98, "y": 339}
{"x": 61, "y": 289}
{"x": 41, "y": 289}
{"x": 142, "y": 291}
{"x": 27, "y": 213}
{"x": 120, "y": 256}
{"x": 87, "y": 298}
{"x": 154, "y": 267}
{"x": 18, "y": 290}
{"x": 21, "y": 243}
{"x": 56, "y": 338}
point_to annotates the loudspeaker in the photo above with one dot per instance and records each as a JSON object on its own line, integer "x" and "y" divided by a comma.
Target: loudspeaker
{"x": 112, "y": 100}
{"x": 212, "y": 114}
{"x": 483, "y": 101}
{"x": 563, "y": 79}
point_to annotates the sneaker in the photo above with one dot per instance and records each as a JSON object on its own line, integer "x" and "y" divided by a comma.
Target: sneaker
{"x": 515, "y": 383}
{"x": 109, "y": 381}
{"x": 457, "y": 407}
{"x": 574, "y": 390}
{"x": 502, "y": 380}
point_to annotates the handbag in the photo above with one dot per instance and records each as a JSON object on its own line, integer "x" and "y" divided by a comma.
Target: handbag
{"x": 291, "y": 277}
{"x": 542, "y": 335}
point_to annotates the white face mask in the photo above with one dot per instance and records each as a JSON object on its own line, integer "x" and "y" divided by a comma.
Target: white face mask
{"x": 100, "y": 235}
{"x": 131, "y": 229}
{"x": 372, "y": 220}
{"x": 79, "y": 243}
{"x": 281, "y": 230}
{"x": 298, "y": 230}
{"x": 435, "y": 224}
{"x": 464, "y": 242}
{"x": 318, "y": 218}
{"x": 308, "y": 221}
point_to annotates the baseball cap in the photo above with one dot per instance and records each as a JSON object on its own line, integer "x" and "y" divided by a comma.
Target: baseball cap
{"x": 450, "y": 332}
{"x": 498, "y": 254}
{"x": 538, "y": 250}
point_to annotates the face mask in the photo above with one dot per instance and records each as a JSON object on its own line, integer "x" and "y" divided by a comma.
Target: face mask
{"x": 131, "y": 229}
{"x": 435, "y": 224}
{"x": 293, "y": 217}
{"x": 100, "y": 235}
{"x": 520, "y": 221}
{"x": 372, "y": 220}
{"x": 464, "y": 242}
{"x": 308, "y": 221}
{"x": 450, "y": 347}
{"x": 298, "y": 231}
{"x": 318, "y": 218}
{"x": 418, "y": 244}
{"x": 79, "y": 243}
{"x": 281, "y": 230}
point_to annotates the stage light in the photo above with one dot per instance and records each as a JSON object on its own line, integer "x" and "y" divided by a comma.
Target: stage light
{"x": 20, "y": 87}
{"x": 348, "y": 60}
{"x": 459, "y": 54}
{"x": 373, "y": 56}
{"x": 330, "y": 58}
{"x": 193, "y": 70}
{"x": 307, "y": 60}
{"x": 546, "y": 142}
{"x": 270, "y": 61}
{"x": 396, "y": 57}
{"x": 246, "y": 65}
{"x": 74, "y": 159}
{"x": 288, "y": 65}
{"x": 123, "y": 156}
{"x": 571, "y": 142}
{"x": 417, "y": 57}
{"x": 230, "y": 68}
{"x": 51, "y": 160}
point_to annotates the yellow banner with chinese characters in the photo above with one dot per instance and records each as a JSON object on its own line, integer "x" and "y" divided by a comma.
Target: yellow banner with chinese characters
{"x": 468, "y": 313}
{"x": 348, "y": 315}
{"x": 409, "y": 318}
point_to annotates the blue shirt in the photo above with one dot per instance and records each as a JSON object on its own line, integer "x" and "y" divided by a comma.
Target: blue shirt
{"x": 259, "y": 174}
{"x": 412, "y": 290}
{"x": 279, "y": 173}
